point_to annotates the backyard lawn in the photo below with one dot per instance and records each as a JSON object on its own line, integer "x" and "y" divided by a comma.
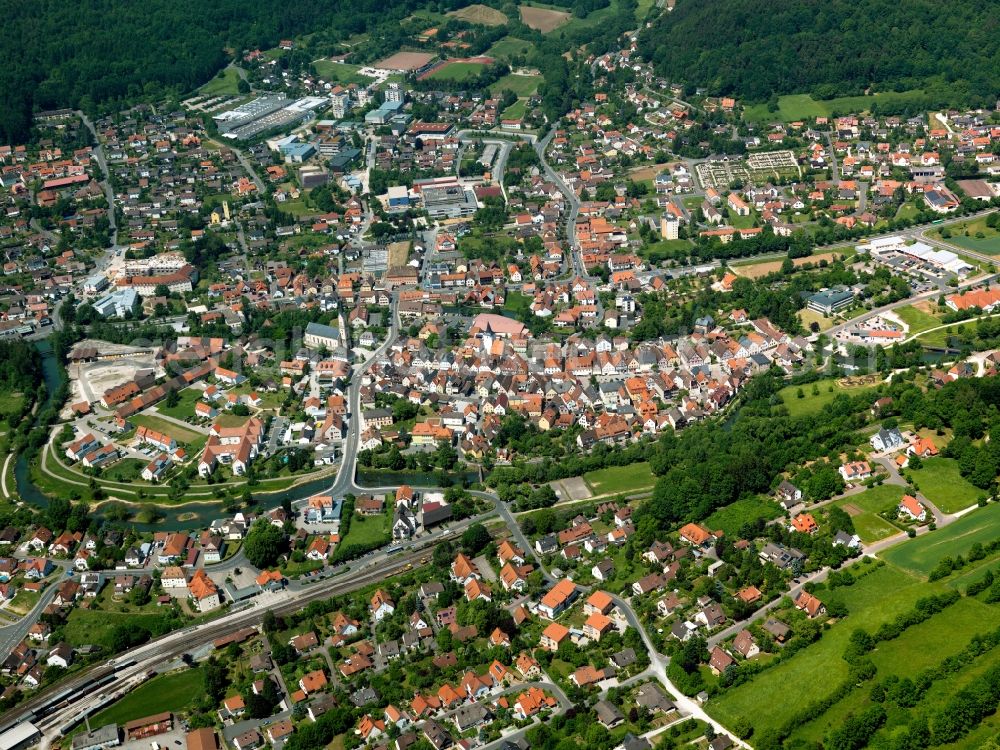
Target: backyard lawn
{"x": 170, "y": 692}
{"x": 921, "y": 554}
{"x": 939, "y": 479}
{"x": 631, "y": 478}
{"x": 732, "y": 517}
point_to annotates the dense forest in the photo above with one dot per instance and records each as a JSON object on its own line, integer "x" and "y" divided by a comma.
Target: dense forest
{"x": 85, "y": 53}
{"x": 755, "y": 49}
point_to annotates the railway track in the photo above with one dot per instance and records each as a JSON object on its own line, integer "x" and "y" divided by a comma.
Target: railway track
{"x": 50, "y": 708}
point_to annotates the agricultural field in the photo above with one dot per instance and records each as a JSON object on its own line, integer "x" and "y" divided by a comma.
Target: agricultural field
{"x": 481, "y": 14}
{"x": 457, "y": 71}
{"x": 923, "y": 553}
{"x": 864, "y": 508}
{"x": 170, "y": 692}
{"x": 543, "y": 19}
{"x": 511, "y": 46}
{"x": 520, "y": 85}
{"x": 794, "y": 107}
{"x": 732, "y": 518}
{"x": 940, "y": 481}
{"x": 876, "y": 598}
{"x": 630, "y": 478}
{"x": 814, "y": 399}
{"x": 754, "y": 269}
{"x": 920, "y": 647}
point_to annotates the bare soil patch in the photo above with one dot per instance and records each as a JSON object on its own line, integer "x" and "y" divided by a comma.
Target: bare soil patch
{"x": 543, "y": 19}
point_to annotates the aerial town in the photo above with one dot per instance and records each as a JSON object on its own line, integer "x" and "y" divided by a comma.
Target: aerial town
{"x": 362, "y": 400}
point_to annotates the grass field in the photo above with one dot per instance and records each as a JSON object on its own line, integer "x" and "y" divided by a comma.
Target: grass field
{"x": 965, "y": 234}
{"x": 520, "y": 85}
{"x": 917, "y": 319}
{"x": 368, "y": 529}
{"x": 870, "y": 602}
{"x": 457, "y": 71}
{"x": 731, "y": 518}
{"x": 939, "y": 479}
{"x": 481, "y": 14}
{"x": 126, "y": 470}
{"x": 923, "y": 553}
{"x": 185, "y": 407}
{"x": 517, "y": 302}
{"x": 629, "y": 478}
{"x": 794, "y": 107}
{"x": 95, "y": 626}
{"x": 812, "y": 403}
{"x": 515, "y": 111}
{"x": 510, "y": 46}
{"x": 664, "y": 249}
{"x": 921, "y": 647}
{"x": 170, "y": 692}
{"x": 225, "y": 83}
{"x": 344, "y": 73}
{"x": 178, "y": 433}
{"x": 865, "y": 507}
{"x": 10, "y": 403}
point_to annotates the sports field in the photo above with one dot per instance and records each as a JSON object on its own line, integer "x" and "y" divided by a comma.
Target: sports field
{"x": 457, "y": 71}
{"x": 923, "y": 553}
{"x": 940, "y": 480}
{"x": 343, "y": 73}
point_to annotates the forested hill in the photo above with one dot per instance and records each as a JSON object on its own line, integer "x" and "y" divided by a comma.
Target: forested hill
{"x": 57, "y": 53}
{"x": 754, "y": 49}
